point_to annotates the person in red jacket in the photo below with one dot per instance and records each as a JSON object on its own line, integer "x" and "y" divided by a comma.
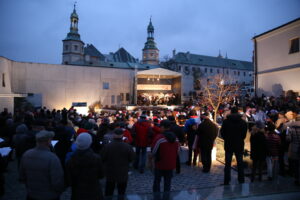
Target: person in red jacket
{"x": 126, "y": 133}
{"x": 141, "y": 131}
{"x": 165, "y": 148}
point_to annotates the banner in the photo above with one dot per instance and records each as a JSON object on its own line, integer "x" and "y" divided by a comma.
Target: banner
{"x": 153, "y": 87}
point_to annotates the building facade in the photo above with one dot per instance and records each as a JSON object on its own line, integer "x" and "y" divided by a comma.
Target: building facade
{"x": 196, "y": 70}
{"x": 277, "y": 59}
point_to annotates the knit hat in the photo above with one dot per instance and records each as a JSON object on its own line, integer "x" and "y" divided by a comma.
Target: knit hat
{"x": 165, "y": 123}
{"x": 44, "y": 135}
{"x": 118, "y": 131}
{"x": 22, "y": 128}
{"x": 83, "y": 141}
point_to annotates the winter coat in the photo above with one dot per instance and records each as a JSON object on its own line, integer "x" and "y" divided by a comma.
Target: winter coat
{"x": 42, "y": 173}
{"x": 127, "y": 136}
{"x": 258, "y": 146}
{"x": 116, "y": 157}
{"x": 165, "y": 148}
{"x": 141, "y": 130}
{"x": 273, "y": 144}
{"x": 207, "y": 132}
{"x": 293, "y": 137}
{"x": 178, "y": 131}
{"x": 233, "y": 131}
{"x": 84, "y": 170}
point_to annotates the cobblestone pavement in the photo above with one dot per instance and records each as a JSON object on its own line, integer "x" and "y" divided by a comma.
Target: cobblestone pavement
{"x": 189, "y": 178}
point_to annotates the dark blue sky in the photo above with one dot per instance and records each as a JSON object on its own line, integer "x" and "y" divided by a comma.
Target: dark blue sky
{"x": 32, "y": 30}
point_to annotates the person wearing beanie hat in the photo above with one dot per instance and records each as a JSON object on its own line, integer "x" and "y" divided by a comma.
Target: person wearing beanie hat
{"x": 83, "y": 141}
{"x": 116, "y": 156}
{"x": 41, "y": 170}
{"x": 84, "y": 185}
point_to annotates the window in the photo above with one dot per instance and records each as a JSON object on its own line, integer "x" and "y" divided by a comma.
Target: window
{"x": 105, "y": 86}
{"x": 3, "y": 80}
{"x": 66, "y": 47}
{"x": 193, "y": 69}
{"x": 227, "y": 72}
{"x": 244, "y": 73}
{"x": 218, "y": 71}
{"x": 234, "y": 72}
{"x": 205, "y": 70}
{"x": 211, "y": 70}
{"x": 122, "y": 97}
{"x": 75, "y": 47}
{"x": 294, "y": 48}
{"x": 238, "y": 73}
{"x": 112, "y": 99}
{"x": 127, "y": 97}
{"x": 186, "y": 68}
{"x": 179, "y": 68}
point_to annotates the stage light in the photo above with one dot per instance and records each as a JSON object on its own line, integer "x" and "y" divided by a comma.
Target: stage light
{"x": 148, "y": 79}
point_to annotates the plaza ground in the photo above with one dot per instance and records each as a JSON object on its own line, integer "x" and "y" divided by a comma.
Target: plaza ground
{"x": 191, "y": 183}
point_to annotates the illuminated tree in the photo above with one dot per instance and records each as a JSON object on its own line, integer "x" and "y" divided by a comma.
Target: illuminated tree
{"x": 218, "y": 90}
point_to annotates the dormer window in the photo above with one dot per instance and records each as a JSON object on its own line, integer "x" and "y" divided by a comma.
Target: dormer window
{"x": 75, "y": 47}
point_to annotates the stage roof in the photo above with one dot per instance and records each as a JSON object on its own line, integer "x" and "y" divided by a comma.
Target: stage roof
{"x": 158, "y": 72}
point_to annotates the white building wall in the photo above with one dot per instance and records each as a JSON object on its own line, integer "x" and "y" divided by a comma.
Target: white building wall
{"x": 272, "y": 53}
{"x": 273, "y": 48}
{"x": 60, "y": 85}
{"x": 272, "y": 84}
{"x": 5, "y": 102}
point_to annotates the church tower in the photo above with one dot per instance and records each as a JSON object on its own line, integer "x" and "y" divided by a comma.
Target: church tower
{"x": 150, "y": 51}
{"x": 72, "y": 45}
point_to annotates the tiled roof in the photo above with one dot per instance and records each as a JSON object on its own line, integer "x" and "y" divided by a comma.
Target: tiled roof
{"x": 123, "y": 56}
{"x": 92, "y": 51}
{"x": 194, "y": 59}
{"x": 119, "y": 65}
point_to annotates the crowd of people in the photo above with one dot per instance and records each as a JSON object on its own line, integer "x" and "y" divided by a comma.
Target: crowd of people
{"x": 105, "y": 144}
{"x": 158, "y": 99}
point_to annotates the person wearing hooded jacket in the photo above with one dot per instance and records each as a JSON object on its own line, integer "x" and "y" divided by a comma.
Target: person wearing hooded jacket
{"x": 233, "y": 131}
{"x": 141, "y": 130}
{"x": 84, "y": 169}
{"x": 165, "y": 148}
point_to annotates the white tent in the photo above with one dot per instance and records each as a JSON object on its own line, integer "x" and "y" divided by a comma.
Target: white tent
{"x": 158, "y": 72}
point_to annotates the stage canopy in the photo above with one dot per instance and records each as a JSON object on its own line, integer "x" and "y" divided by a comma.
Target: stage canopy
{"x": 161, "y": 72}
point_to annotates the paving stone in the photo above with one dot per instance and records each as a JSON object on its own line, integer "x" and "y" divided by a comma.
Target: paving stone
{"x": 190, "y": 178}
